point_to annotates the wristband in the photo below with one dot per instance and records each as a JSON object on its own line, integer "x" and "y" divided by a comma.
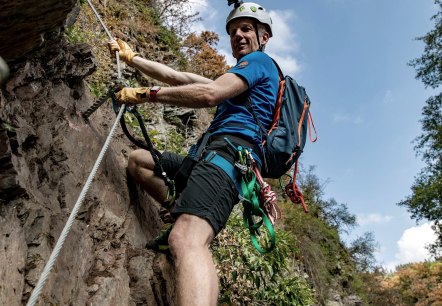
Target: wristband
{"x": 153, "y": 93}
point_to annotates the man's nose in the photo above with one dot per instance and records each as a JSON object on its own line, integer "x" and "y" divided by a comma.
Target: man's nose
{"x": 238, "y": 35}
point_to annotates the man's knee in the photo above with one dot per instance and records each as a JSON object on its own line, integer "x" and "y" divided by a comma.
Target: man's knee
{"x": 139, "y": 159}
{"x": 190, "y": 233}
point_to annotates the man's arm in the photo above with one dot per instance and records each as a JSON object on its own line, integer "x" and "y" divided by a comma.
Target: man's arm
{"x": 199, "y": 95}
{"x": 166, "y": 74}
{"x": 196, "y": 95}
{"x": 153, "y": 69}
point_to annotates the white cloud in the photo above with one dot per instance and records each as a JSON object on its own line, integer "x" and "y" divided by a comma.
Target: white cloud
{"x": 373, "y": 219}
{"x": 206, "y": 13}
{"x": 284, "y": 43}
{"x": 231, "y": 61}
{"x": 338, "y": 118}
{"x": 388, "y": 97}
{"x": 412, "y": 245}
{"x": 284, "y": 37}
{"x": 358, "y": 120}
{"x": 289, "y": 65}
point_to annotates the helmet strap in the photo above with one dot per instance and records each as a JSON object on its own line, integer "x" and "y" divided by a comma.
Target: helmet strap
{"x": 257, "y": 36}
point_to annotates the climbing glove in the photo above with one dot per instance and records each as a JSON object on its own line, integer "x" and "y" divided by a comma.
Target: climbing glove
{"x": 132, "y": 96}
{"x": 126, "y": 53}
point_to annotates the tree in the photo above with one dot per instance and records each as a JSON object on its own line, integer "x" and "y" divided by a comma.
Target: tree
{"x": 425, "y": 201}
{"x": 362, "y": 251}
{"x": 177, "y": 15}
{"x": 330, "y": 211}
{"x": 202, "y": 55}
{"x": 337, "y": 215}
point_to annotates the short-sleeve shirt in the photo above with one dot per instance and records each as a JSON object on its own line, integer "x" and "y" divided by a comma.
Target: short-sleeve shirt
{"x": 232, "y": 116}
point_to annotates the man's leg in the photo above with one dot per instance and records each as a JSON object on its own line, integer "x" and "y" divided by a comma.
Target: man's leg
{"x": 189, "y": 244}
{"x": 140, "y": 167}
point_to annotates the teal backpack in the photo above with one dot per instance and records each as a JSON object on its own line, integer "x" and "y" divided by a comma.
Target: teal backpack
{"x": 285, "y": 140}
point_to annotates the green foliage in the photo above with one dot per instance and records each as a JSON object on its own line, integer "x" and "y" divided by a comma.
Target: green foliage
{"x": 429, "y": 65}
{"x": 426, "y": 199}
{"x": 326, "y": 259}
{"x": 96, "y": 89}
{"x": 337, "y": 215}
{"x": 175, "y": 142}
{"x": 249, "y": 278}
{"x": 8, "y": 126}
{"x": 362, "y": 250}
{"x": 75, "y": 35}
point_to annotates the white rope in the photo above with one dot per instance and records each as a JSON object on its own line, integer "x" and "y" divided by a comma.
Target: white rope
{"x": 56, "y": 251}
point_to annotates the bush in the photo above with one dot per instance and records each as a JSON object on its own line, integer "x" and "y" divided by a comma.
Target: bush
{"x": 247, "y": 277}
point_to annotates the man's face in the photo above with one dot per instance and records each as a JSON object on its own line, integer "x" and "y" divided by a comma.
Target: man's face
{"x": 242, "y": 37}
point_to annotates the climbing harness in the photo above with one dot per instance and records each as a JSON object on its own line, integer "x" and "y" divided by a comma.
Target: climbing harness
{"x": 256, "y": 196}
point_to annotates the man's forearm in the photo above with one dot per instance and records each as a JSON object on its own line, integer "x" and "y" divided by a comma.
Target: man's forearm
{"x": 192, "y": 96}
{"x": 166, "y": 74}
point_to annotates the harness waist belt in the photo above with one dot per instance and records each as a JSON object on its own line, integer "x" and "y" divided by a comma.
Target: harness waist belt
{"x": 226, "y": 166}
{"x": 240, "y": 141}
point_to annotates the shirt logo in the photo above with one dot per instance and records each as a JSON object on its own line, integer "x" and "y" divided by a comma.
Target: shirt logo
{"x": 243, "y": 64}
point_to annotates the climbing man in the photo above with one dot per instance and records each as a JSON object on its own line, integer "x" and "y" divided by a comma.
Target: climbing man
{"x": 204, "y": 204}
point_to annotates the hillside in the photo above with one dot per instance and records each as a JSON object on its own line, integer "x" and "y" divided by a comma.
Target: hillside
{"x": 47, "y": 150}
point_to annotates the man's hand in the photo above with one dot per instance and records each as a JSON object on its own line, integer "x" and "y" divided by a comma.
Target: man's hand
{"x": 126, "y": 53}
{"x": 132, "y": 96}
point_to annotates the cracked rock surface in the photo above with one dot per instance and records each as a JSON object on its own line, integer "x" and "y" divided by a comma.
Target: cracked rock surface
{"x": 47, "y": 152}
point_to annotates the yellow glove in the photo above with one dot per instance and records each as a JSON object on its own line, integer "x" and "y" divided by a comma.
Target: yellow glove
{"x": 126, "y": 53}
{"x": 132, "y": 96}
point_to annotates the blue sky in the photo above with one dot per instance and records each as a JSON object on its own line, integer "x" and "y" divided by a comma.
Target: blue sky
{"x": 352, "y": 55}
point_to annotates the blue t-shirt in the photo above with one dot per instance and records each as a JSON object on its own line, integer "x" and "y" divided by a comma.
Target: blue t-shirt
{"x": 232, "y": 116}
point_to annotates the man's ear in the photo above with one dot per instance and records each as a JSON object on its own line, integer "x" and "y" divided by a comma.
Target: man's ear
{"x": 264, "y": 39}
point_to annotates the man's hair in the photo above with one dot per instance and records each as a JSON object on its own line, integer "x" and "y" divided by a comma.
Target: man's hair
{"x": 262, "y": 28}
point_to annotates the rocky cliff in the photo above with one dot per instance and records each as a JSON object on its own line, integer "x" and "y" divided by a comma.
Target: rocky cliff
{"x": 46, "y": 153}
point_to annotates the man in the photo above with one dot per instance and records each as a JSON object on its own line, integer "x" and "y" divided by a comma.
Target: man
{"x": 205, "y": 203}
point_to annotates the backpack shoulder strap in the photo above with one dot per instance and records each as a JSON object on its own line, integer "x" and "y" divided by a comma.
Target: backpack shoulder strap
{"x": 281, "y": 75}
{"x": 249, "y": 105}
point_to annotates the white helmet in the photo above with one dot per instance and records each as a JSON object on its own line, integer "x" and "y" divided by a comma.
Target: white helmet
{"x": 250, "y": 10}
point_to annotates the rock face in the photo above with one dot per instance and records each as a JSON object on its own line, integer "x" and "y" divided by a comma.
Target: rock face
{"x": 27, "y": 25}
{"x": 47, "y": 152}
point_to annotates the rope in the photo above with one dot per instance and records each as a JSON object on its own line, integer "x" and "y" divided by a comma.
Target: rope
{"x": 268, "y": 197}
{"x": 57, "y": 249}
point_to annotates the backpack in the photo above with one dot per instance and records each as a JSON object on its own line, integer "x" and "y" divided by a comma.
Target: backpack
{"x": 285, "y": 140}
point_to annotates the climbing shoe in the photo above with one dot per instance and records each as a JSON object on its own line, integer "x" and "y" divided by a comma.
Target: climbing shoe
{"x": 160, "y": 243}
